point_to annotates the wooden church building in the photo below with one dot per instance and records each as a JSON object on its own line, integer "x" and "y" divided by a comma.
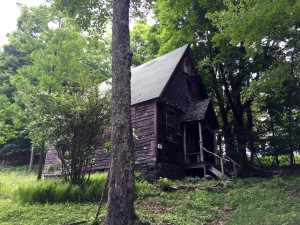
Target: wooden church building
{"x": 174, "y": 118}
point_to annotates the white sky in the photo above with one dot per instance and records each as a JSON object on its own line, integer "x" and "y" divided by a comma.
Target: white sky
{"x": 9, "y": 12}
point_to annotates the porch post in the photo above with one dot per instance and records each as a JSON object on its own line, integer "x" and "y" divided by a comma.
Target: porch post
{"x": 201, "y": 143}
{"x": 222, "y": 166}
{"x": 204, "y": 170}
{"x": 184, "y": 142}
{"x": 215, "y": 147}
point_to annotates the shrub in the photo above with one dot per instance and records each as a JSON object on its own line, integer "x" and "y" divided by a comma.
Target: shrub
{"x": 95, "y": 186}
{"x": 164, "y": 183}
{"x": 41, "y": 191}
{"x": 50, "y": 190}
{"x": 76, "y": 193}
{"x": 142, "y": 189}
{"x": 62, "y": 192}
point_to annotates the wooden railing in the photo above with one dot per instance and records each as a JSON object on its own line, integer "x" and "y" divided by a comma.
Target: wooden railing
{"x": 222, "y": 159}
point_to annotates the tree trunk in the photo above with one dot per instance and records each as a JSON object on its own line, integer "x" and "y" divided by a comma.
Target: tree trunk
{"x": 275, "y": 147}
{"x": 226, "y": 127}
{"x": 242, "y": 149}
{"x": 290, "y": 115}
{"x": 41, "y": 161}
{"x": 120, "y": 209}
{"x": 31, "y": 160}
{"x": 277, "y": 161}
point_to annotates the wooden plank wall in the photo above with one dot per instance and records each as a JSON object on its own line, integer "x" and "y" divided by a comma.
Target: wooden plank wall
{"x": 142, "y": 118}
{"x": 51, "y": 160}
{"x": 172, "y": 150}
{"x": 182, "y": 90}
{"x": 102, "y": 157}
{"x": 143, "y": 121}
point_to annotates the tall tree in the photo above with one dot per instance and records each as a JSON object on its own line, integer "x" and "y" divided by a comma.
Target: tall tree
{"x": 120, "y": 209}
{"x": 22, "y": 42}
{"x": 268, "y": 32}
{"x": 121, "y": 192}
{"x": 143, "y": 42}
{"x": 58, "y": 88}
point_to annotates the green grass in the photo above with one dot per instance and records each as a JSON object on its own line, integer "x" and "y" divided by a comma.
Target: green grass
{"x": 13, "y": 211}
{"x": 59, "y": 190}
{"x": 256, "y": 201}
{"x": 262, "y": 201}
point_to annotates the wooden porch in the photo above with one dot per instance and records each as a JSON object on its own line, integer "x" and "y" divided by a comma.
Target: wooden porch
{"x": 199, "y": 156}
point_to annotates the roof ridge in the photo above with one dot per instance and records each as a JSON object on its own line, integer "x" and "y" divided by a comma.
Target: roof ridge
{"x": 149, "y": 79}
{"x": 159, "y": 57}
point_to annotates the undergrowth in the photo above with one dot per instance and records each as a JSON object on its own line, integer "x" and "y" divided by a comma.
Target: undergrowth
{"x": 251, "y": 201}
{"x": 59, "y": 190}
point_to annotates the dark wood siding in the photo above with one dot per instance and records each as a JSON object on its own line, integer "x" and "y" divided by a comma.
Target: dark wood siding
{"x": 182, "y": 90}
{"x": 142, "y": 117}
{"x": 143, "y": 121}
{"x": 102, "y": 157}
{"x": 172, "y": 150}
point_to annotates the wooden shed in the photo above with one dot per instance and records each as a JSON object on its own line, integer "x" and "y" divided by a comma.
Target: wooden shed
{"x": 174, "y": 118}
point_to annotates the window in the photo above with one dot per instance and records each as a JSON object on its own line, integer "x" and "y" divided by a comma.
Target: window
{"x": 188, "y": 68}
{"x": 170, "y": 126}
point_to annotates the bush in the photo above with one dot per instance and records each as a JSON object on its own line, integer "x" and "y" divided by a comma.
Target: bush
{"x": 54, "y": 191}
{"x": 59, "y": 191}
{"x": 94, "y": 188}
{"x": 164, "y": 183}
{"x": 62, "y": 192}
{"x": 142, "y": 189}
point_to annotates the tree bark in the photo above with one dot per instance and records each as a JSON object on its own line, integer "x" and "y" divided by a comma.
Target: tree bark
{"x": 290, "y": 115}
{"x": 41, "y": 160}
{"x": 31, "y": 160}
{"x": 226, "y": 127}
{"x": 120, "y": 209}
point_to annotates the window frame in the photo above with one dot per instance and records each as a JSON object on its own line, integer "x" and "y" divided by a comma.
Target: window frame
{"x": 170, "y": 125}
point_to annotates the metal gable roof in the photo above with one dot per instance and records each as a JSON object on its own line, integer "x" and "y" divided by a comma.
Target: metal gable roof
{"x": 149, "y": 79}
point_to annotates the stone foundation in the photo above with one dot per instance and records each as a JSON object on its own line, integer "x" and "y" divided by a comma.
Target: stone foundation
{"x": 153, "y": 171}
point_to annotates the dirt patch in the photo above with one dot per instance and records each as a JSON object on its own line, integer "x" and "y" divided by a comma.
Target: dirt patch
{"x": 156, "y": 209}
{"x": 293, "y": 193}
{"x": 226, "y": 209}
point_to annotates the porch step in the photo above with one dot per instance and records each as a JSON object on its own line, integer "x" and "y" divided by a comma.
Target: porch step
{"x": 216, "y": 172}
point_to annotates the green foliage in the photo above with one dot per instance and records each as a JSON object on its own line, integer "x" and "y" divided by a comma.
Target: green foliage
{"x": 164, "y": 183}
{"x": 252, "y": 20}
{"x": 22, "y": 42}
{"x": 58, "y": 87}
{"x": 57, "y": 191}
{"x": 95, "y": 12}
{"x": 15, "y": 146}
{"x": 7, "y": 128}
{"x": 270, "y": 37}
{"x": 284, "y": 160}
{"x": 93, "y": 189}
{"x": 279, "y": 208}
{"x": 143, "y": 190}
{"x": 251, "y": 201}
{"x": 143, "y": 42}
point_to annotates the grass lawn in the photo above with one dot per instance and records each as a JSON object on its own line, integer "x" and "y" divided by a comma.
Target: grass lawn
{"x": 244, "y": 201}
